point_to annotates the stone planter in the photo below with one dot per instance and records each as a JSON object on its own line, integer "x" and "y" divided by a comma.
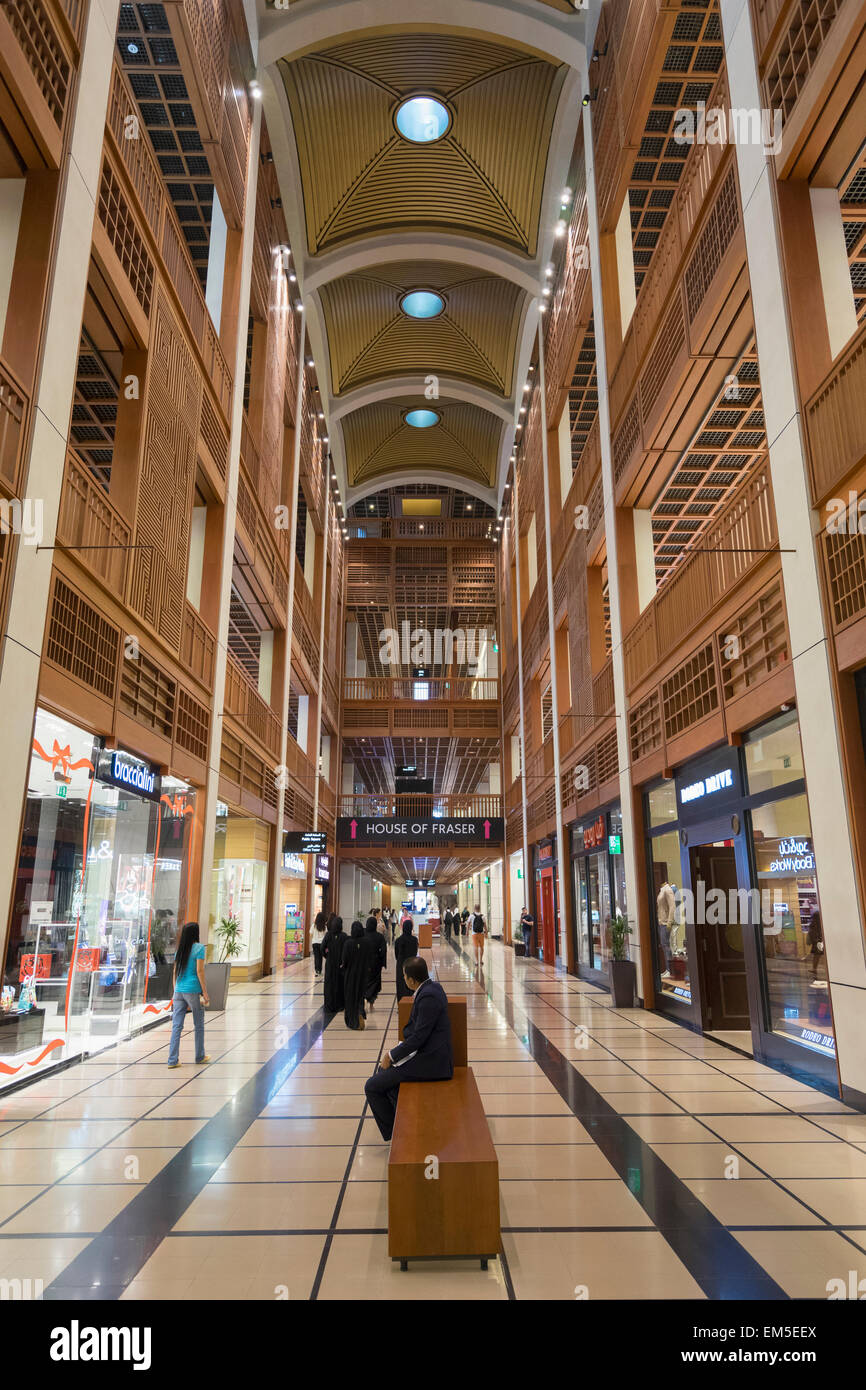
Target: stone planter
{"x": 622, "y": 983}
{"x": 217, "y": 975}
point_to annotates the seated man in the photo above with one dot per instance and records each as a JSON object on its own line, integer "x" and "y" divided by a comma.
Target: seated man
{"x": 424, "y": 1054}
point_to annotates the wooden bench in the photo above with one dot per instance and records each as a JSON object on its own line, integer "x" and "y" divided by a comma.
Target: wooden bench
{"x": 443, "y": 1173}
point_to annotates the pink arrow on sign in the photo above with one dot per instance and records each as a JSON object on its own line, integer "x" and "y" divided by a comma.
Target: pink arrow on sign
{"x": 353, "y": 826}
{"x": 487, "y": 830}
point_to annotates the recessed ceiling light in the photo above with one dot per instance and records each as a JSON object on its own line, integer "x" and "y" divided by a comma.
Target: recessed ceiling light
{"x": 421, "y": 419}
{"x": 422, "y": 304}
{"x": 422, "y": 119}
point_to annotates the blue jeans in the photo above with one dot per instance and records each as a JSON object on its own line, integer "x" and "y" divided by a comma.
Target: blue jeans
{"x": 180, "y": 1004}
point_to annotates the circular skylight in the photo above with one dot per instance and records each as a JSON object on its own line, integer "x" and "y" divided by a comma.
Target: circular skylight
{"x": 421, "y": 419}
{"x": 422, "y": 119}
{"x": 422, "y": 304}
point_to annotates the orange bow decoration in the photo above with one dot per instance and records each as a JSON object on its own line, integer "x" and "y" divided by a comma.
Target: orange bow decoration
{"x": 63, "y": 756}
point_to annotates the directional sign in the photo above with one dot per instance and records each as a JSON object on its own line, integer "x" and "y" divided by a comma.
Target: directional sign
{"x": 471, "y": 831}
{"x": 305, "y": 842}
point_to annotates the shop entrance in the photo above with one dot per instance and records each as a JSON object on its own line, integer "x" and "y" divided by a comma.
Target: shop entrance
{"x": 548, "y": 917}
{"x": 721, "y": 957}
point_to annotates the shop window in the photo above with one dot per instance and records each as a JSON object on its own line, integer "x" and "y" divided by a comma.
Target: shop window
{"x": 673, "y": 963}
{"x": 661, "y": 804}
{"x": 240, "y": 879}
{"x": 773, "y": 754}
{"x": 795, "y": 966}
{"x": 102, "y": 889}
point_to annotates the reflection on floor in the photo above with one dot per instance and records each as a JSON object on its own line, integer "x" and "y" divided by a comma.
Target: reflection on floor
{"x": 637, "y": 1159}
{"x": 740, "y": 1038}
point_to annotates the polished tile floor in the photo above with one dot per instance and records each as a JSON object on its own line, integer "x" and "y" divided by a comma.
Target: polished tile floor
{"x": 637, "y": 1160}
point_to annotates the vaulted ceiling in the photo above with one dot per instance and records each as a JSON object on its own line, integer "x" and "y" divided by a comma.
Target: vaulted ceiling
{"x": 467, "y": 214}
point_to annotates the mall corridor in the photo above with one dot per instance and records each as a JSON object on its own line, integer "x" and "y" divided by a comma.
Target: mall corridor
{"x": 433, "y": 522}
{"x": 615, "y": 1132}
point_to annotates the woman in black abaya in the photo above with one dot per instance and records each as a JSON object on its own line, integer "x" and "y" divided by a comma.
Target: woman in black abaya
{"x": 376, "y": 955}
{"x": 332, "y": 952}
{"x": 353, "y": 970}
{"x": 405, "y": 947}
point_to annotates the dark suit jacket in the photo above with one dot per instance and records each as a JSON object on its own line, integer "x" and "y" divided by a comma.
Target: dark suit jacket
{"x": 428, "y": 1034}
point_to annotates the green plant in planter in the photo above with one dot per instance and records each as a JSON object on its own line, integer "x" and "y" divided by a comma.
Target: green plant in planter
{"x": 619, "y": 932}
{"x": 228, "y": 933}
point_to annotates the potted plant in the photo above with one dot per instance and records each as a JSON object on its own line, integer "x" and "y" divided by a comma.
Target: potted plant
{"x": 622, "y": 970}
{"x": 217, "y": 973}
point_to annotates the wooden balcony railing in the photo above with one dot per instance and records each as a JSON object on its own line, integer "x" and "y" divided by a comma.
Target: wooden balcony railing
{"x": 38, "y": 55}
{"x": 405, "y": 806}
{"x": 737, "y": 541}
{"x": 244, "y": 702}
{"x": 198, "y": 646}
{"x": 13, "y": 414}
{"x": 424, "y": 529}
{"x": 836, "y": 420}
{"x": 143, "y": 173}
{"x": 420, "y": 690}
{"x": 91, "y": 527}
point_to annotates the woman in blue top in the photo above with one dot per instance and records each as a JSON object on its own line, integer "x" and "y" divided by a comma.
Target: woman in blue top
{"x": 190, "y": 992}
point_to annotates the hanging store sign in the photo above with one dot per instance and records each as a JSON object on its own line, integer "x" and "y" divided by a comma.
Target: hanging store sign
{"x": 305, "y": 842}
{"x": 709, "y": 785}
{"x": 352, "y": 830}
{"x": 595, "y": 835}
{"x": 323, "y": 868}
{"x": 118, "y": 768}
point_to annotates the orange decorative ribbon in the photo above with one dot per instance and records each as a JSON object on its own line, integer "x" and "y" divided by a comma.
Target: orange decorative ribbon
{"x": 11, "y": 1071}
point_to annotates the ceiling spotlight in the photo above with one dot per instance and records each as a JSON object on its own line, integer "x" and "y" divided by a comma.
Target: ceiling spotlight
{"x": 310, "y": 362}
{"x": 333, "y": 477}
{"x": 276, "y": 202}
{"x": 546, "y": 291}
{"x": 596, "y": 54}
{"x": 267, "y": 157}
{"x": 321, "y": 415}
{"x": 549, "y": 272}
{"x": 299, "y": 306}
{"x": 560, "y": 228}
{"x": 293, "y": 279}
{"x": 590, "y": 96}
{"x": 523, "y": 410}
{"x": 326, "y": 439}
{"x": 255, "y": 90}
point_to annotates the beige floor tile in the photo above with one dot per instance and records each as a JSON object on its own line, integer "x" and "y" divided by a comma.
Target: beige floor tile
{"x": 558, "y": 1203}
{"x": 827, "y": 1160}
{"x": 768, "y": 1129}
{"x": 815, "y": 1104}
{"x": 305, "y": 1132}
{"x": 671, "y": 1129}
{"x": 70, "y": 1209}
{"x": 34, "y": 1258}
{"x": 12, "y": 1198}
{"x": 284, "y": 1164}
{"x": 157, "y": 1134}
{"x": 702, "y": 1160}
{"x": 537, "y": 1129}
{"x": 524, "y": 1104}
{"x": 93, "y": 1107}
{"x": 185, "y": 1106}
{"x": 608, "y": 1265}
{"x": 262, "y": 1206}
{"x": 282, "y": 1268}
{"x": 803, "y": 1262}
{"x": 364, "y": 1206}
{"x": 750, "y": 1202}
{"x": 841, "y": 1201}
{"x": 358, "y": 1268}
{"x": 721, "y": 1102}
{"x": 63, "y": 1134}
{"x": 850, "y": 1127}
{"x": 629, "y": 1103}
{"x": 41, "y": 1165}
{"x": 620, "y": 1085}
{"x": 124, "y": 1163}
{"x": 522, "y": 1084}
{"x": 370, "y": 1162}
{"x": 542, "y": 1161}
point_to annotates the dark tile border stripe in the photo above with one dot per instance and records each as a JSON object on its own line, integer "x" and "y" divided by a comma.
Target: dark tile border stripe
{"x": 113, "y": 1259}
{"x": 715, "y": 1259}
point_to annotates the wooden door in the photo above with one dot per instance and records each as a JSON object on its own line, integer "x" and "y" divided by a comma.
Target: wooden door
{"x": 548, "y": 917}
{"x": 724, "y": 991}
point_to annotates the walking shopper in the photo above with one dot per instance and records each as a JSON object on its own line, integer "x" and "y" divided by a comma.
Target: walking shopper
{"x": 332, "y": 951}
{"x": 376, "y": 956}
{"x": 479, "y": 931}
{"x": 189, "y": 992}
{"x": 464, "y": 918}
{"x": 447, "y": 923}
{"x": 317, "y": 936}
{"x": 527, "y": 922}
{"x": 352, "y": 969}
{"x": 405, "y": 948}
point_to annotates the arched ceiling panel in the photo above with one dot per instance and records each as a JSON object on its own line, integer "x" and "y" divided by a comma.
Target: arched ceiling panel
{"x": 379, "y": 442}
{"x": 483, "y": 178}
{"x": 370, "y": 338}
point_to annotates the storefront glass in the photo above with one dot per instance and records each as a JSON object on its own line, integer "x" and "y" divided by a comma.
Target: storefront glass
{"x": 598, "y": 870}
{"x": 673, "y": 961}
{"x": 102, "y": 882}
{"x": 240, "y": 880}
{"x": 293, "y": 893}
{"x": 798, "y": 990}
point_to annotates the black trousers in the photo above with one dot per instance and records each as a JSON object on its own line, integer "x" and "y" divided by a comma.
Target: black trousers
{"x": 317, "y": 956}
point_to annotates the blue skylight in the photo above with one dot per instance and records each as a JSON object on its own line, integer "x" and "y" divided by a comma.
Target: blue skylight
{"x": 421, "y": 419}
{"x": 422, "y": 304}
{"x": 422, "y": 119}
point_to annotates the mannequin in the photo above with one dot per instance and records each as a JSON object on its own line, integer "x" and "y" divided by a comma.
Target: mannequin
{"x": 666, "y": 906}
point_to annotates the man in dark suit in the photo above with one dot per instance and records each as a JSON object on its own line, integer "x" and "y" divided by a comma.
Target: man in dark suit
{"x": 425, "y": 1054}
